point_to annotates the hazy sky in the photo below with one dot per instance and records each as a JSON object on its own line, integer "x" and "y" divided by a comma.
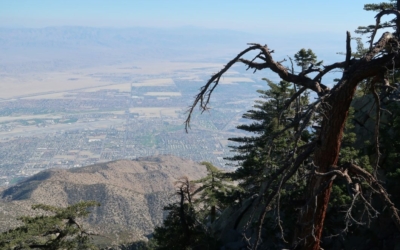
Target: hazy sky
{"x": 248, "y": 15}
{"x": 286, "y": 25}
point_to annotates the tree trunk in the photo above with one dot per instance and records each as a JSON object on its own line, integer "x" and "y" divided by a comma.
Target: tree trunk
{"x": 213, "y": 214}
{"x": 326, "y": 154}
{"x": 311, "y": 220}
{"x": 182, "y": 217}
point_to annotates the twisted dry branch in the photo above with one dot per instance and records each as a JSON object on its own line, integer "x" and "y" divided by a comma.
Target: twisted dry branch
{"x": 203, "y": 97}
{"x": 352, "y": 169}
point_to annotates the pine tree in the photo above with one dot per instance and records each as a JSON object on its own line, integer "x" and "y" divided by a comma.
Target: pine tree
{"x": 306, "y": 59}
{"x": 182, "y": 228}
{"x": 213, "y": 193}
{"x": 58, "y": 231}
{"x": 268, "y": 117}
{"x": 187, "y": 225}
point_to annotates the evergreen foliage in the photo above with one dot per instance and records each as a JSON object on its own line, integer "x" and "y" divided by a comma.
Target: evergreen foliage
{"x": 187, "y": 225}
{"x": 213, "y": 193}
{"x": 58, "y": 231}
{"x": 172, "y": 234}
{"x": 377, "y": 7}
{"x": 182, "y": 228}
{"x": 268, "y": 118}
{"x": 306, "y": 58}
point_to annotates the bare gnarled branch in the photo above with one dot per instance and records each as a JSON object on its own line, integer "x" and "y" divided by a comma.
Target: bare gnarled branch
{"x": 348, "y": 50}
{"x": 205, "y": 92}
{"x": 381, "y": 191}
{"x": 203, "y": 97}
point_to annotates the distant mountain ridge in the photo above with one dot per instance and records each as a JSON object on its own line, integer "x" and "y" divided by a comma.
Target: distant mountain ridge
{"x": 132, "y": 193}
{"x": 103, "y": 37}
{"x": 91, "y": 45}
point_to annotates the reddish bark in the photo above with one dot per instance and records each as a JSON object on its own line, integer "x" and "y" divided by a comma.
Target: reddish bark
{"x": 326, "y": 155}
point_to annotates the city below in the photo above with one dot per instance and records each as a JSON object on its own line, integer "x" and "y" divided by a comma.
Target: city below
{"x": 124, "y": 112}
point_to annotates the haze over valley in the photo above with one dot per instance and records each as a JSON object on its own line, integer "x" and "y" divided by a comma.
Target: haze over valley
{"x": 74, "y": 96}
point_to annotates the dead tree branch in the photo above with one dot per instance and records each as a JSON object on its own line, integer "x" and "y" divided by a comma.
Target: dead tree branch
{"x": 286, "y": 172}
{"x": 377, "y": 125}
{"x": 381, "y": 191}
{"x": 348, "y": 50}
{"x": 205, "y": 92}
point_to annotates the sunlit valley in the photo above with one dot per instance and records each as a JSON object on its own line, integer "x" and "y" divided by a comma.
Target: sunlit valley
{"x": 77, "y": 111}
{"x": 188, "y": 125}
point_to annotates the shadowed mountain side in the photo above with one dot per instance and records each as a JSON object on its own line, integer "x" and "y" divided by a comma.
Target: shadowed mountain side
{"x": 132, "y": 193}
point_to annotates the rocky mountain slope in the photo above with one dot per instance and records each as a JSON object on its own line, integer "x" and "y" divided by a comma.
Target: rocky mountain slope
{"x": 132, "y": 193}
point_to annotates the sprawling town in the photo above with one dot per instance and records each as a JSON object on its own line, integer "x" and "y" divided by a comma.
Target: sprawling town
{"x": 124, "y": 119}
